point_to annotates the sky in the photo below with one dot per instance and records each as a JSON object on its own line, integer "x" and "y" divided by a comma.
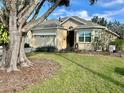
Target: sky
{"x": 110, "y": 9}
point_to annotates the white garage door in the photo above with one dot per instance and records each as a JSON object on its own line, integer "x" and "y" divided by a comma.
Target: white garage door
{"x": 45, "y": 40}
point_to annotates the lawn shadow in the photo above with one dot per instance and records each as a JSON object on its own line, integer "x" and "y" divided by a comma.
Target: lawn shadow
{"x": 96, "y": 73}
{"x": 119, "y": 70}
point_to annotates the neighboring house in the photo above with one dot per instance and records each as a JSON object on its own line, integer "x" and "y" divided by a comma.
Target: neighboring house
{"x": 70, "y": 32}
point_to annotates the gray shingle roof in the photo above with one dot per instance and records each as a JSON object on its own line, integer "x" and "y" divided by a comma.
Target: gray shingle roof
{"x": 88, "y": 24}
{"x": 48, "y": 24}
{"x": 57, "y": 23}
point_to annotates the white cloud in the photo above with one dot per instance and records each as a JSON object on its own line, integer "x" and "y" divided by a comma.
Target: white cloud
{"x": 109, "y": 14}
{"x": 110, "y": 3}
{"x": 83, "y": 14}
{"x": 63, "y": 12}
{"x": 59, "y": 12}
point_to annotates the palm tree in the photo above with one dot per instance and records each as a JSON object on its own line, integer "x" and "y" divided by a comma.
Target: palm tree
{"x": 15, "y": 15}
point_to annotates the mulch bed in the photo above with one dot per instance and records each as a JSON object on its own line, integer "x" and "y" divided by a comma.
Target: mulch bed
{"x": 16, "y": 81}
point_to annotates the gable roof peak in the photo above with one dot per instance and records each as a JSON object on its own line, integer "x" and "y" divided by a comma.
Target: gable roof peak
{"x": 76, "y": 18}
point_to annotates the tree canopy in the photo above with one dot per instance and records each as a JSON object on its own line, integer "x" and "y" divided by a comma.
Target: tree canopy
{"x": 99, "y": 20}
{"x": 115, "y": 26}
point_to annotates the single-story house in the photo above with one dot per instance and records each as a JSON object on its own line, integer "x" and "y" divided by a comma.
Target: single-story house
{"x": 70, "y": 32}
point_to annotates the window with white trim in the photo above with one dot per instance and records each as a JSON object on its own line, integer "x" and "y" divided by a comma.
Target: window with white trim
{"x": 85, "y": 36}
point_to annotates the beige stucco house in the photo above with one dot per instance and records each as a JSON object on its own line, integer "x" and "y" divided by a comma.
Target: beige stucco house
{"x": 69, "y": 32}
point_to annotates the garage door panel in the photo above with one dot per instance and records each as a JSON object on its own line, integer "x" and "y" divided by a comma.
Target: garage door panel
{"x": 45, "y": 40}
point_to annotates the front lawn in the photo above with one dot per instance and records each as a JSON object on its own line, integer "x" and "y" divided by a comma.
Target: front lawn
{"x": 82, "y": 74}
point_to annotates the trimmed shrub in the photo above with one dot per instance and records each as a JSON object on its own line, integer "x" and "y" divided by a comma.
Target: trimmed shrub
{"x": 119, "y": 44}
{"x": 26, "y": 45}
{"x": 46, "y": 49}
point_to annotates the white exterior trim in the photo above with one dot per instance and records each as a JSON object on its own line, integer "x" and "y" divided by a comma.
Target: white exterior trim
{"x": 102, "y": 27}
{"x": 48, "y": 28}
{"x": 74, "y": 19}
{"x": 91, "y": 27}
{"x": 40, "y": 34}
{"x": 113, "y": 33}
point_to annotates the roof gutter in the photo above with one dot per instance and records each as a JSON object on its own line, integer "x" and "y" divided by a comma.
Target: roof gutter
{"x": 105, "y": 28}
{"x": 90, "y": 27}
{"x": 48, "y": 28}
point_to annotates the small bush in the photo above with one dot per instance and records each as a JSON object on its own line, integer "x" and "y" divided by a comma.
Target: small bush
{"x": 119, "y": 44}
{"x": 4, "y": 35}
{"x": 46, "y": 49}
{"x": 26, "y": 45}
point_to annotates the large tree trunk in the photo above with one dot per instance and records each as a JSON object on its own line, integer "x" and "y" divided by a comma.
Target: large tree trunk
{"x": 15, "y": 38}
{"x": 15, "y": 47}
{"x": 24, "y": 62}
{"x": 15, "y": 54}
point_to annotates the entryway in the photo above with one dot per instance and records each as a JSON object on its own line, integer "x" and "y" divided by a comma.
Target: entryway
{"x": 70, "y": 39}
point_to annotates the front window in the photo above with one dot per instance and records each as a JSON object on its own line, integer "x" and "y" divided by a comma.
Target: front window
{"x": 85, "y": 36}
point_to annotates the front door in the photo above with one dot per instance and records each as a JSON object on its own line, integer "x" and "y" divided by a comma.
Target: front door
{"x": 70, "y": 39}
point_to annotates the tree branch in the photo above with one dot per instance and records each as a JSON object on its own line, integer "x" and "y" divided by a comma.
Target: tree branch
{"x": 27, "y": 14}
{"x": 2, "y": 18}
{"x": 1, "y": 12}
{"x": 23, "y": 11}
{"x": 38, "y": 9}
{"x": 2, "y": 21}
{"x": 42, "y": 18}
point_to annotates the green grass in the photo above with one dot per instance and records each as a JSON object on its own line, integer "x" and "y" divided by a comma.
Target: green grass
{"x": 82, "y": 74}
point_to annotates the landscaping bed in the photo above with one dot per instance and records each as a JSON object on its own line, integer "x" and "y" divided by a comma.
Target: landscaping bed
{"x": 16, "y": 81}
